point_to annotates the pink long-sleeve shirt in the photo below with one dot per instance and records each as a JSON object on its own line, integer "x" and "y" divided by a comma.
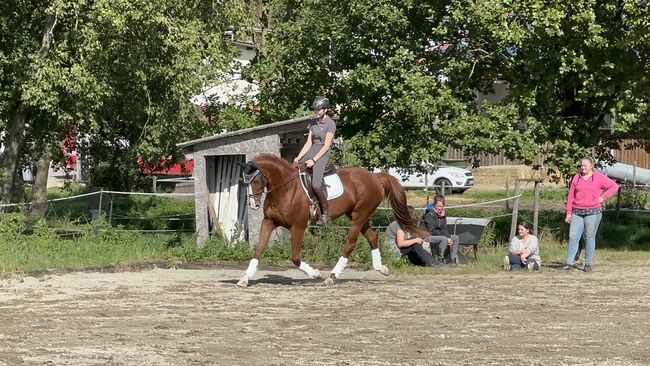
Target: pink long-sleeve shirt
{"x": 584, "y": 193}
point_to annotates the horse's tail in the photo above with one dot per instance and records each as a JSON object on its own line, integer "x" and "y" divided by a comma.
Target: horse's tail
{"x": 397, "y": 198}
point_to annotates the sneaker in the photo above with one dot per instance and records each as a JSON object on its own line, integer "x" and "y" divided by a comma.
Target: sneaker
{"x": 568, "y": 267}
{"x": 587, "y": 268}
{"x": 529, "y": 266}
{"x": 506, "y": 264}
{"x": 536, "y": 267}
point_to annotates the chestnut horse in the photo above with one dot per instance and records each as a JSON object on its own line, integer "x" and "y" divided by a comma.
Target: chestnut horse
{"x": 287, "y": 205}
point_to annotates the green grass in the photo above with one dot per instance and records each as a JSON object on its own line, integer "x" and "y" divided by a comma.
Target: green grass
{"x": 545, "y": 194}
{"x": 622, "y": 236}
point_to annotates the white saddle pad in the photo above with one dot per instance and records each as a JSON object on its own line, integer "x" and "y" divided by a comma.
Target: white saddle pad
{"x": 334, "y": 186}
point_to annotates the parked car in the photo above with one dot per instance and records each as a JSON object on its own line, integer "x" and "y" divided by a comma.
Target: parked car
{"x": 456, "y": 180}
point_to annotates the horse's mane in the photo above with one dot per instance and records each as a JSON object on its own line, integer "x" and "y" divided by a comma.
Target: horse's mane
{"x": 271, "y": 161}
{"x": 260, "y": 157}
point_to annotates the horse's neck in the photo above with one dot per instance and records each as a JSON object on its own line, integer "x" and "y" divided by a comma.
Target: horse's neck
{"x": 277, "y": 174}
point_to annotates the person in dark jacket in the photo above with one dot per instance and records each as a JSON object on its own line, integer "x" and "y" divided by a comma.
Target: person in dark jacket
{"x": 410, "y": 245}
{"x": 435, "y": 221}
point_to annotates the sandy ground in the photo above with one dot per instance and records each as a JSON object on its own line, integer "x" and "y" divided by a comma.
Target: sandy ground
{"x": 198, "y": 317}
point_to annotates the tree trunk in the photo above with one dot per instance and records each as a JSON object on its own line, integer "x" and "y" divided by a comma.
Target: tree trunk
{"x": 15, "y": 130}
{"x": 39, "y": 197}
{"x": 9, "y": 161}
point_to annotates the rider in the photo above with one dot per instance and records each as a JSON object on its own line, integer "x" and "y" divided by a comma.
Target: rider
{"x": 316, "y": 151}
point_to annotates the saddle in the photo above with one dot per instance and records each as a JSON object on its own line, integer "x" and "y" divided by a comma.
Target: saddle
{"x": 306, "y": 182}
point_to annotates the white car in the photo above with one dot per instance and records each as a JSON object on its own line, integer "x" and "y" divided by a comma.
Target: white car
{"x": 454, "y": 179}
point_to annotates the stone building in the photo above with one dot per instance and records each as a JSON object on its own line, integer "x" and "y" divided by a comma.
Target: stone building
{"x": 220, "y": 196}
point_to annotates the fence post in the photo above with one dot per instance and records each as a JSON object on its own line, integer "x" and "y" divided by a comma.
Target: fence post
{"x": 515, "y": 211}
{"x": 618, "y": 199}
{"x": 99, "y": 209}
{"x": 536, "y": 207}
{"x": 507, "y": 190}
{"x": 110, "y": 212}
{"x": 155, "y": 182}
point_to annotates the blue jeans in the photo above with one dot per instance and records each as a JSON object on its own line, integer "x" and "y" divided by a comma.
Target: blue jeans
{"x": 515, "y": 262}
{"x": 579, "y": 225}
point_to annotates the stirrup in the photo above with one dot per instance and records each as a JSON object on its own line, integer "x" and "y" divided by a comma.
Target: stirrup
{"x": 324, "y": 219}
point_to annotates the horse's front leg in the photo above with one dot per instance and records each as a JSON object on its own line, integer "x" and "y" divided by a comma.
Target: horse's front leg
{"x": 297, "y": 237}
{"x": 267, "y": 228}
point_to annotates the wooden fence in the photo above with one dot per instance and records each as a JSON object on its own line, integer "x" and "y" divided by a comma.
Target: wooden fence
{"x": 625, "y": 154}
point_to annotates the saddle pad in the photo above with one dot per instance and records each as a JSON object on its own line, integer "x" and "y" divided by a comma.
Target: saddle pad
{"x": 334, "y": 186}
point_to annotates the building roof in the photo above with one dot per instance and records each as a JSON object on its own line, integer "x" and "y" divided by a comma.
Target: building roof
{"x": 280, "y": 127}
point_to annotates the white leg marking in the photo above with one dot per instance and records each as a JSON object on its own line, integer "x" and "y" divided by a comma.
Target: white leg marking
{"x": 310, "y": 272}
{"x": 252, "y": 267}
{"x": 376, "y": 259}
{"x": 340, "y": 266}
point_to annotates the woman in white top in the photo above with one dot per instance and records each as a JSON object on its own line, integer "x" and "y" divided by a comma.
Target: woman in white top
{"x": 524, "y": 250}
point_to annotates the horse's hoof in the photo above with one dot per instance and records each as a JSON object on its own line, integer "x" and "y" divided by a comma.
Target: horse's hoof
{"x": 317, "y": 274}
{"x": 329, "y": 282}
{"x": 384, "y": 270}
{"x": 243, "y": 282}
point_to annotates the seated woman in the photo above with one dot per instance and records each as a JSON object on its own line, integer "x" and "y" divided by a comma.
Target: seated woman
{"x": 410, "y": 245}
{"x": 524, "y": 250}
{"x": 435, "y": 221}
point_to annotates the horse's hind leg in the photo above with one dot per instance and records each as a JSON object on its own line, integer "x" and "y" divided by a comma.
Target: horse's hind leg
{"x": 267, "y": 228}
{"x": 373, "y": 239}
{"x": 350, "y": 244}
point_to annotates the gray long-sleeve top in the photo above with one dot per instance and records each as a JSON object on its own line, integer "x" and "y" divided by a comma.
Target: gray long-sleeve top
{"x": 532, "y": 245}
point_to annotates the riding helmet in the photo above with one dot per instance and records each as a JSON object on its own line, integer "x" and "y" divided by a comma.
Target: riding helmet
{"x": 320, "y": 103}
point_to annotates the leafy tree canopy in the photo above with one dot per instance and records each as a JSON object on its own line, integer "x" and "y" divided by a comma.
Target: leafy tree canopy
{"x": 120, "y": 73}
{"x": 404, "y": 75}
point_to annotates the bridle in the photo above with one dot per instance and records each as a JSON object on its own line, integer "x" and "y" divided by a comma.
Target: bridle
{"x": 265, "y": 181}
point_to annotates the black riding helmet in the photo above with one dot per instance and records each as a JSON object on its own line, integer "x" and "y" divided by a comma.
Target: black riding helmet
{"x": 320, "y": 103}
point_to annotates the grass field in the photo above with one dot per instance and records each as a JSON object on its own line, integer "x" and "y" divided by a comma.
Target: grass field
{"x": 79, "y": 242}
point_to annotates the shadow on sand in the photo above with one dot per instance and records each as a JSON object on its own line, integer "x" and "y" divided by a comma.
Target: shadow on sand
{"x": 274, "y": 279}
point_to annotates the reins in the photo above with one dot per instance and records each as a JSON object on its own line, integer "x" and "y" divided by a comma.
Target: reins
{"x": 266, "y": 180}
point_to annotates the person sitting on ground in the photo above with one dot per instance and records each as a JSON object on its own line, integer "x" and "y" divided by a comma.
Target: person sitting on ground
{"x": 524, "y": 250}
{"x": 410, "y": 245}
{"x": 435, "y": 221}
{"x": 391, "y": 237}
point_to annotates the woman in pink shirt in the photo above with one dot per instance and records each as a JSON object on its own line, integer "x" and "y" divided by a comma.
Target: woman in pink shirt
{"x": 587, "y": 192}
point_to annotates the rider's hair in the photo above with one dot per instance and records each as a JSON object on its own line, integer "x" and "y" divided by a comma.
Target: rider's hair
{"x": 589, "y": 159}
{"x": 438, "y": 198}
{"x": 527, "y": 225}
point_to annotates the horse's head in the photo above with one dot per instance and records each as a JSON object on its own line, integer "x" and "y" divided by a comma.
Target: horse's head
{"x": 256, "y": 181}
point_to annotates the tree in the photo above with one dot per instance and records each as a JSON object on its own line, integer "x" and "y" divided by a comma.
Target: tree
{"x": 405, "y": 75}
{"x": 570, "y": 67}
{"x": 119, "y": 73}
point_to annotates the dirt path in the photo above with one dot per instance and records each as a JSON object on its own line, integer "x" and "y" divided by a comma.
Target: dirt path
{"x": 198, "y": 317}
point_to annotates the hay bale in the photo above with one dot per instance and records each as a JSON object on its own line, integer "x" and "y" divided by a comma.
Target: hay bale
{"x": 502, "y": 174}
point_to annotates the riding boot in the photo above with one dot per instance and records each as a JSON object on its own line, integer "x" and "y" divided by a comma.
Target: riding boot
{"x": 324, "y": 208}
